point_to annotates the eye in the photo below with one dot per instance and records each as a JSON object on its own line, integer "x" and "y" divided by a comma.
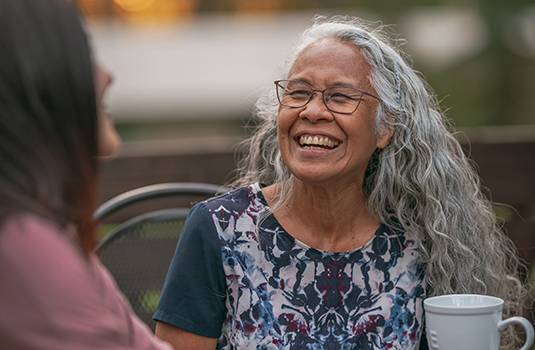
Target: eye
{"x": 338, "y": 96}
{"x": 343, "y": 95}
{"x": 298, "y": 94}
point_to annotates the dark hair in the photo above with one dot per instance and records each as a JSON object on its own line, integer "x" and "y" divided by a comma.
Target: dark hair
{"x": 48, "y": 115}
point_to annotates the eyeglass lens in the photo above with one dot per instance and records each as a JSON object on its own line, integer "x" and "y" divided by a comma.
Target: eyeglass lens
{"x": 339, "y": 99}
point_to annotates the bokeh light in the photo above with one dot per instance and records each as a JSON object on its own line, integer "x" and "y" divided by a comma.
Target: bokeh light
{"x": 134, "y": 5}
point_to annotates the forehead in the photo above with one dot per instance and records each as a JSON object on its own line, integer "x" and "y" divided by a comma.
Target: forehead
{"x": 331, "y": 61}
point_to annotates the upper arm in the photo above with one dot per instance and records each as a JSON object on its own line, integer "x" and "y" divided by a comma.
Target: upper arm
{"x": 181, "y": 339}
{"x": 194, "y": 293}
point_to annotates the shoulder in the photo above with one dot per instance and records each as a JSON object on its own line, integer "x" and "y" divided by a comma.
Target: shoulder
{"x": 46, "y": 254}
{"x": 48, "y": 258}
{"x": 44, "y": 269}
{"x": 23, "y": 223}
{"x": 237, "y": 210}
{"x": 27, "y": 235}
{"x": 55, "y": 297}
{"x": 236, "y": 201}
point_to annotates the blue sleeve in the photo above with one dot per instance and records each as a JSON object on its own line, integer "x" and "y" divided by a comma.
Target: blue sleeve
{"x": 194, "y": 291}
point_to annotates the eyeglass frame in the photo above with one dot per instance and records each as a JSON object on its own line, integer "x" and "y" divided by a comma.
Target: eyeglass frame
{"x": 323, "y": 94}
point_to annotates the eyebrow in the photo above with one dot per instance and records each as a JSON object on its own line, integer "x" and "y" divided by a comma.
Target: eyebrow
{"x": 337, "y": 83}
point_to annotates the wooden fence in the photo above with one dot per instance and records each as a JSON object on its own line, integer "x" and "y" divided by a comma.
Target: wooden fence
{"x": 507, "y": 170}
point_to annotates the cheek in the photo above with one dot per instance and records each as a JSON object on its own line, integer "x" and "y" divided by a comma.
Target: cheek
{"x": 109, "y": 139}
{"x": 284, "y": 125}
{"x": 283, "y": 137}
{"x": 285, "y": 119}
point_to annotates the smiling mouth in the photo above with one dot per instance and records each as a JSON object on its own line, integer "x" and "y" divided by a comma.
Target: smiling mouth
{"x": 315, "y": 142}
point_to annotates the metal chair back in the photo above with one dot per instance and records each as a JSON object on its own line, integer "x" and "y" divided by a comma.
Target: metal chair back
{"x": 138, "y": 251}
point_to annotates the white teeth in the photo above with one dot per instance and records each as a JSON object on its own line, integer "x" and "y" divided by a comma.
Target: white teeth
{"x": 310, "y": 142}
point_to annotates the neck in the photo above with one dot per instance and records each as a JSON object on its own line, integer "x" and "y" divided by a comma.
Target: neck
{"x": 331, "y": 218}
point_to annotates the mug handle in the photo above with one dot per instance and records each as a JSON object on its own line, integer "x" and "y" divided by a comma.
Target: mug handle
{"x": 524, "y": 323}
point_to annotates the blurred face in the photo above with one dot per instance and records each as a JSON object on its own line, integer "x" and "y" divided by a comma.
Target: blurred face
{"x": 109, "y": 139}
{"x": 319, "y": 146}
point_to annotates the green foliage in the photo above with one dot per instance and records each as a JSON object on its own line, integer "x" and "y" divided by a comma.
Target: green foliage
{"x": 149, "y": 300}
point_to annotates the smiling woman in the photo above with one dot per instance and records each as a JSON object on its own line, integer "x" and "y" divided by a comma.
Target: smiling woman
{"x": 329, "y": 64}
{"x": 354, "y": 202}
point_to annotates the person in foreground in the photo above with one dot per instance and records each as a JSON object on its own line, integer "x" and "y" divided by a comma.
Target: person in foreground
{"x": 354, "y": 203}
{"x": 54, "y": 292}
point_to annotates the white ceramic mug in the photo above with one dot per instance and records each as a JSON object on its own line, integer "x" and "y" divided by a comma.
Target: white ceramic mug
{"x": 468, "y": 322}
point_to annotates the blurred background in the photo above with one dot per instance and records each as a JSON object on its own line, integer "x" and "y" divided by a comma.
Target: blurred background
{"x": 189, "y": 71}
{"x": 169, "y": 55}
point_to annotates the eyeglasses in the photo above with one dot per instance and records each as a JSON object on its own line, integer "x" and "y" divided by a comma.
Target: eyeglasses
{"x": 338, "y": 99}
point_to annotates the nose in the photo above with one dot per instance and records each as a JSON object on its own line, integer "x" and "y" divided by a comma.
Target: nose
{"x": 316, "y": 110}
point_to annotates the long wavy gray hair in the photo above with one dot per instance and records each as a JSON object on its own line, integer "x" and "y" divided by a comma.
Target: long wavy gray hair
{"x": 421, "y": 181}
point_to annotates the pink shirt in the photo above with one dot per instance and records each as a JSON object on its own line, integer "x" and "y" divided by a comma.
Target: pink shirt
{"x": 52, "y": 298}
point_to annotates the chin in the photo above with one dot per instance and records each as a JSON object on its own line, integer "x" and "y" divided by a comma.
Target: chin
{"x": 110, "y": 149}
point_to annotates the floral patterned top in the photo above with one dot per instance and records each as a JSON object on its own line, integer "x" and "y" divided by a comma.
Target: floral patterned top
{"x": 256, "y": 287}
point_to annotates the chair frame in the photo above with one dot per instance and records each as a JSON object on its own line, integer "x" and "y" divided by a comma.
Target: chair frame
{"x": 154, "y": 191}
{"x": 171, "y": 214}
{"x": 167, "y": 189}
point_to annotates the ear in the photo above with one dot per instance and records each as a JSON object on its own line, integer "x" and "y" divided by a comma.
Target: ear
{"x": 384, "y": 139}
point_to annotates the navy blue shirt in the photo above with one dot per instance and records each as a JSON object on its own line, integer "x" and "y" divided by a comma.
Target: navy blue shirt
{"x": 251, "y": 284}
